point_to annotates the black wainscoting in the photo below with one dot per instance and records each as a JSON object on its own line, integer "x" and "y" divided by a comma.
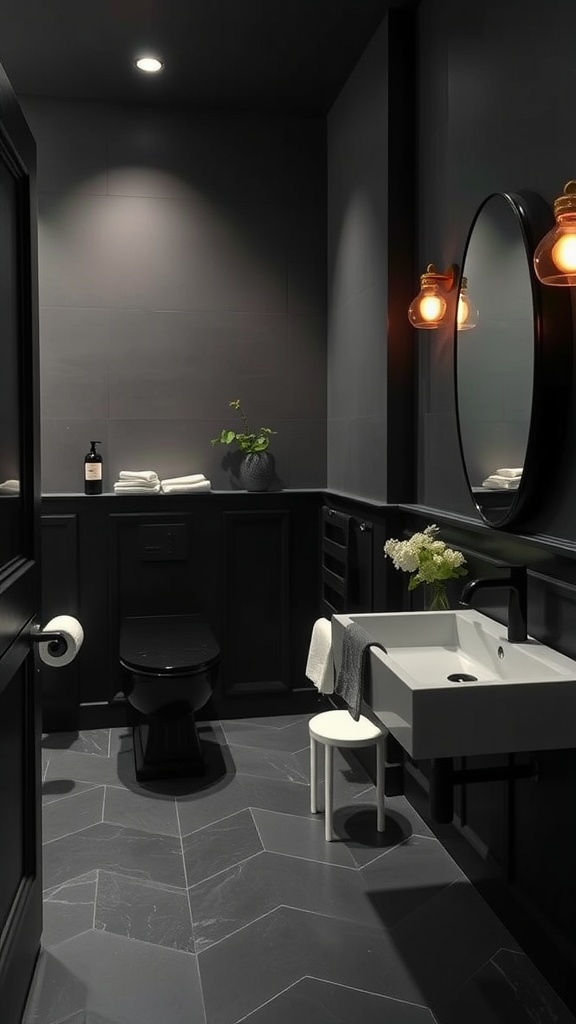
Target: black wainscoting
{"x": 248, "y": 562}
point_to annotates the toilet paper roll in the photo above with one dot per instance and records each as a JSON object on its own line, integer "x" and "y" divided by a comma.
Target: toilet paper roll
{"x": 70, "y": 629}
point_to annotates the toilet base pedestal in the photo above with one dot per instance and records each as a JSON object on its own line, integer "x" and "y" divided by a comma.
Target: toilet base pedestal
{"x": 167, "y": 749}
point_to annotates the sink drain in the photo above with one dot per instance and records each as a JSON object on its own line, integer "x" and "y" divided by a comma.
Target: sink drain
{"x": 462, "y": 677}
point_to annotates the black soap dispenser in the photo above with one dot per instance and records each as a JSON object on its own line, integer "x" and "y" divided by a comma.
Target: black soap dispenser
{"x": 93, "y": 470}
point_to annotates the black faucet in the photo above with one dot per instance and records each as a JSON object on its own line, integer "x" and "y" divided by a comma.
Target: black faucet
{"x": 517, "y": 583}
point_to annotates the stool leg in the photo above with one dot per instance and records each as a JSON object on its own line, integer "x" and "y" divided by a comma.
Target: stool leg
{"x": 380, "y": 795}
{"x": 329, "y": 791}
{"x": 313, "y": 775}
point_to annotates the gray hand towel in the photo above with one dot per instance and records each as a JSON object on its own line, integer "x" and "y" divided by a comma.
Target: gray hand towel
{"x": 356, "y": 644}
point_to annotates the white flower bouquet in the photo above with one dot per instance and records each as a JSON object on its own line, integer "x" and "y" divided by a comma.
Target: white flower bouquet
{"x": 429, "y": 561}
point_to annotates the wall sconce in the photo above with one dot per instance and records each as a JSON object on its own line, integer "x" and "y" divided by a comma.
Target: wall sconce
{"x": 466, "y": 313}
{"x": 428, "y": 310}
{"x": 555, "y": 255}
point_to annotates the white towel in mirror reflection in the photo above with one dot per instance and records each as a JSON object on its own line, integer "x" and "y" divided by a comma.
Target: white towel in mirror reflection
{"x": 10, "y": 487}
{"x": 500, "y": 482}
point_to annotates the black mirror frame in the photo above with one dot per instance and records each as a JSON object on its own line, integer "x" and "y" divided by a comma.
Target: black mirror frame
{"x": 552, "y": 320}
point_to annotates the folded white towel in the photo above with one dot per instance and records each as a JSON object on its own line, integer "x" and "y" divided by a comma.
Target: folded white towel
{"x": 139, "y": 474}
{"x": 502, "y": 483}
{"x": 508, "y": 472}
{"x": 127, "y": 488}
{"x": 10, "y": 487}
{"x": 320, "y": 665}
{"x": 202, "y": 485}
{"x": 150, "y": 484}
{"x": 194, "y": 478}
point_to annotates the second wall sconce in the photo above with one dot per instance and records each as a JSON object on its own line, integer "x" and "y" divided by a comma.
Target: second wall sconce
{"x": 428, "y": 310}
{"x": 466, "y": 313}
{"x": 555, "y": 255}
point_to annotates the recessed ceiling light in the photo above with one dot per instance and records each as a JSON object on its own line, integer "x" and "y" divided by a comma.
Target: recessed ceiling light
{"x": 149, "y": 64}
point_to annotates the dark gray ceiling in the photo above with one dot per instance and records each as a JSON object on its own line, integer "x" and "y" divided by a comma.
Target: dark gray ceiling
{"x": 219, "y": 54}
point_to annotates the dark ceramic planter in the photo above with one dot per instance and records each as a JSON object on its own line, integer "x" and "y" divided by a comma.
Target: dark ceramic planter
{"x": 256, "y": 471}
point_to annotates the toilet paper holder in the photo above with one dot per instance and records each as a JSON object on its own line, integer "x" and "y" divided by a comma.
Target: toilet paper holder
{"x": 57, "y": 643}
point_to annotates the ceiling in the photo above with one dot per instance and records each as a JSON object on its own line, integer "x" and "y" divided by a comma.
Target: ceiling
{"x": 290, "y": 55}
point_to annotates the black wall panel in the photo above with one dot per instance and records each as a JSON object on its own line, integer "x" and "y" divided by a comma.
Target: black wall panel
{"x": 249, "y": 563}
{"x": 255, "y": 656}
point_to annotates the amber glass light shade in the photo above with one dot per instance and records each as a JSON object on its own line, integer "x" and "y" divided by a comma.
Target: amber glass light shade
{"x": 555, "y": 255}
{"x": 466, "y": 312}
{"x": 428, "y": 310}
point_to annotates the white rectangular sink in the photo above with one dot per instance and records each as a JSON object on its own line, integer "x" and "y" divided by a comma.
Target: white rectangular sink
{"x": 522, "y": 696}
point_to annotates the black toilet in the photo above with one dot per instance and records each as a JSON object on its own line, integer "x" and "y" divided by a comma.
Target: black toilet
{"x": 170, "y": 665}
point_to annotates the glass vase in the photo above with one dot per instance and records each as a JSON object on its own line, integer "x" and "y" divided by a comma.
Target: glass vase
{"x": 436, "y": 597}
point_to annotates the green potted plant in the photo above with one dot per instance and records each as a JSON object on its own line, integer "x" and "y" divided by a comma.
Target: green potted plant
{"x": 256, "y": 470}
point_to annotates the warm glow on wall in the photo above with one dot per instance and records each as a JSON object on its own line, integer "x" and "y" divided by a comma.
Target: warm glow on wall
{"x": 555, "y": 256}
{"x": 428, "y": 310}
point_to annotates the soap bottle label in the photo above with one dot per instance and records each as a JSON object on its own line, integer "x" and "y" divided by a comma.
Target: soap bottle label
{"x": 93, "y": 471}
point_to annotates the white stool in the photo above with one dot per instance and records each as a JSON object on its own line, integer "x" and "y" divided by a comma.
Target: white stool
{"x": 338, "y": 729}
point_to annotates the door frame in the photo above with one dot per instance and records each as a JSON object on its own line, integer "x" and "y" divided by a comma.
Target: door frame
{"x": 20, "y": 577}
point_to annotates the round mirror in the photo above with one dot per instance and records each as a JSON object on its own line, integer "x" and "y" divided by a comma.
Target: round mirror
{"x": 509, "y": 358}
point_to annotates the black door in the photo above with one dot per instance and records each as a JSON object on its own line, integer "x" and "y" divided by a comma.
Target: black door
{"x": 20, "y": 850}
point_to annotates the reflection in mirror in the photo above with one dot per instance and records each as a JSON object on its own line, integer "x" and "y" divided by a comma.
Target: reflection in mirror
{"x": 502, "y": 366}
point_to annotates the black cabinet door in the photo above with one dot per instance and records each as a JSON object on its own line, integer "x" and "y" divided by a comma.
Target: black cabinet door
{"x": 20, "y": 851}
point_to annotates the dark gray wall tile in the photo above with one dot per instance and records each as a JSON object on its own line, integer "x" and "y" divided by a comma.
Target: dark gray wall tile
{"x": 357, "y": 264}
{"x": 74, "y": 363}
{"x": 169, "y": 255}
{"x": 69, "y": 440}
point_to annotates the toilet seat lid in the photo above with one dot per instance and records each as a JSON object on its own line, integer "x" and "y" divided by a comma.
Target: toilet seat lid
{"x": 167, "y": 643}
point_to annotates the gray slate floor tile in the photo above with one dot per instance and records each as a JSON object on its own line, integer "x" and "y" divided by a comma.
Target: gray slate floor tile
{"x": 127, "y": 907}
{"x": 93, "y": 741}
{"x": 400, "y": 882}
{"x": 280, "y": 948}
{"x": 240, "y": 895}
{"x": 121, "y": 740}
{"x": 220, "y": 846}
{"x": 311, "y": 1001}
{"x": 147, "y": 811}
{"x": 297, "y": 836}
{"x": 264, "y": 763}
{"x": 60, "y": 789}
{"x": 71, "y": 814}
{"x": 292, "y": 737}
{"x": 235, "y": 793}
{"x": 275, "y": 722}
{"x": 127, "y": 851}
{"x": 120, "y": 980}
{"x": 112, "y": 771}
{"x": 398, "y": 806}
{"x": 506, "y": 988}
{"x": 68, "y": 912}
{"x": 382, "y": 928}
{"x": 448, "y": 938}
